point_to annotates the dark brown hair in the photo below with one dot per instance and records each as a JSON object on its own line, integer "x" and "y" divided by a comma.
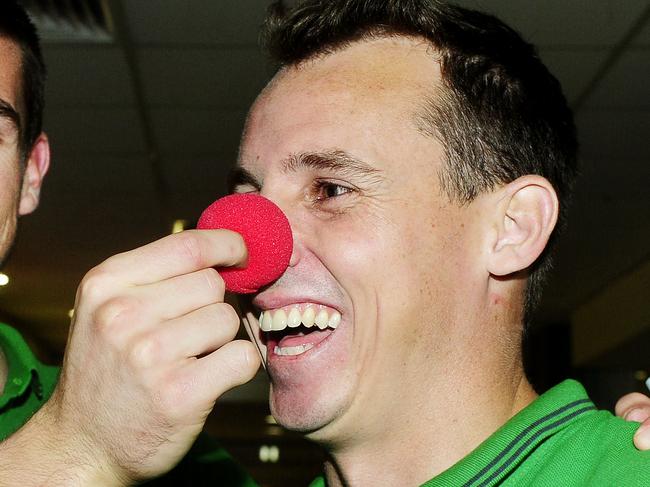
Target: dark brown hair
{"x": 16, "y": 25}
{"x": 501, "y": 113}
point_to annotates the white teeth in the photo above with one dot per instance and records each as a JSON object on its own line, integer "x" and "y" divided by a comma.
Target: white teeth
{"x": 279, "y": 320}
{"x": 297, "y": 350}
{"x": 267, "y": 324}
{"x": 335, "y": 319}
{"x": 321, "y": 319}
{"x": 294, "y": 318}
{"x": 308, "y": 317}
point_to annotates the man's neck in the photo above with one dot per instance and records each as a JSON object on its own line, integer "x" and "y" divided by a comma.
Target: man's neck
{"x": 4, "y": 371}
{"x": 437, "y": 434}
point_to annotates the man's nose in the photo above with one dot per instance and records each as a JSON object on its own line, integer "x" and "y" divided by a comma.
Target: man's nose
{"x": 296, "y": 228}
{"x": 298, "y": 237}
{"x": 297, "y": 251}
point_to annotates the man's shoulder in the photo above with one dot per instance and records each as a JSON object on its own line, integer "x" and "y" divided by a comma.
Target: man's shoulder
{"x": 596, "y": 450}
{"x": 608, "y": 439}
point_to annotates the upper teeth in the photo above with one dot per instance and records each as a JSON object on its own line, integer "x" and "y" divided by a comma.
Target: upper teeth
{"x": 279, "y": 319}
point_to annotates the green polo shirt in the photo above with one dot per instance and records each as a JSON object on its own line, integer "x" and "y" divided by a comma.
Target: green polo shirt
{"x": 29, "y": 384}
{"x": 561, "y": 439}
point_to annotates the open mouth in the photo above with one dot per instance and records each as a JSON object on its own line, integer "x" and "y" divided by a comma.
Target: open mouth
{"x": 295, "y": 329}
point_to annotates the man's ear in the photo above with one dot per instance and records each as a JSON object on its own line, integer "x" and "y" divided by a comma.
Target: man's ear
{"x": 527, "y": 214}
{"x": 36, "y": 167}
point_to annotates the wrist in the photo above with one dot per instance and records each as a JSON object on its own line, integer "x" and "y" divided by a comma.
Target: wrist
{"x": 43, "y": 453}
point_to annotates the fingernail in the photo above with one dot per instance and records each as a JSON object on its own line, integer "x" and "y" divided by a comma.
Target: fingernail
{"x": 636, "y": 414}
{"x": 647, "y": 383}
{"x": 642, "y": 437}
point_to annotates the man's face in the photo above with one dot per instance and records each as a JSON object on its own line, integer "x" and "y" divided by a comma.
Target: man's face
{"x": 380, "y": 254}
{"x": 10, "y": 164}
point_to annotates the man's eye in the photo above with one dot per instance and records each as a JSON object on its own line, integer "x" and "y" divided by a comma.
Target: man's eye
{"x": 326, "y": 190}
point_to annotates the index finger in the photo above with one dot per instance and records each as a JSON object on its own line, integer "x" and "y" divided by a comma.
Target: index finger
{"x": 178, "y": 254}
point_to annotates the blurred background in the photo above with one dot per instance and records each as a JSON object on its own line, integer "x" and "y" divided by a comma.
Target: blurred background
{"x": 145, "y": 103}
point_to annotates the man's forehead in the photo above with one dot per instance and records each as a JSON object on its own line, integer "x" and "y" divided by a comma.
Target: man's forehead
{"x": 340, "y": 102}
{"x": 10, "y": 84}
{"x": 373, "y": 70}
{"x": 10, "y": 69}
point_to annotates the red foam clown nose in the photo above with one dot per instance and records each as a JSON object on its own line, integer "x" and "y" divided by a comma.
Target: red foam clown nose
{"x": 267, "y": 235}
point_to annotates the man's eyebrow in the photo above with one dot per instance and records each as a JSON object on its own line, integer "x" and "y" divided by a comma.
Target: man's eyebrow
{"x": 239, "y": 176}
{"x": 334, "y": 160}
{"x": 8, "y": 112}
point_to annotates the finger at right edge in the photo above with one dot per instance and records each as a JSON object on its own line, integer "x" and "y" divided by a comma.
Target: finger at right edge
{"x": 632, "y": 402}
{"x": 177, "y": 254}
{"x": 642, "y": 436}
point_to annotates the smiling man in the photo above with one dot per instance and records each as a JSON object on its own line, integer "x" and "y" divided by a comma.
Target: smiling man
{"x": 424, "y": 156}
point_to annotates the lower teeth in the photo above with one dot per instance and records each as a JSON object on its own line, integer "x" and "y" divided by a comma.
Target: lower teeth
{"x": 297, "y": 350}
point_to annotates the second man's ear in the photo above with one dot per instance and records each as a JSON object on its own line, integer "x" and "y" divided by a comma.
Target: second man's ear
{"x": 37, "y": 164}
{"x": 527, "y": 213}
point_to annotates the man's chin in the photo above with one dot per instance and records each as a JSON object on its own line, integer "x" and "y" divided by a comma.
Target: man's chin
{"x": 298, "y": 412}
{"x": 296, "y": 416}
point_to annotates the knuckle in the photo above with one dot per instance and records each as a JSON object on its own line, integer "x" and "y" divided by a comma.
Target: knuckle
{"x": 214, "y": 282}
{"x": 145, "y": 352}
{"x": 95, "y": 285}
{"x": 237, "y": 248}
{"x": 230, "y": 319}
{"x": 233, "y": 247}
{"x": 227, "y": 319}
{"x": 189, "y": 247}
{"x": 113, "y": 316}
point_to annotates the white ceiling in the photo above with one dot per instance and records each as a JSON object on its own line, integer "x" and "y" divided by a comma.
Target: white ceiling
{"x": 144, "y": 130}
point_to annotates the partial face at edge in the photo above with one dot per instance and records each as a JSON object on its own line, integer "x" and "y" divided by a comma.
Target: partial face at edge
{"x": 380, "y": 255}
{"x": 10, "y": 169}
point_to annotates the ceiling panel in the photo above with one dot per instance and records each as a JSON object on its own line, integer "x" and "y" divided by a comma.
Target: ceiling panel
{"x": 230, "y": 22}
{"x": 562, "y": 23}
{"x": 91, "y": 131}
{"x": 626, "y": 84}
{"x": 215, "y": 77}
{"x": 87, "y": 75}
